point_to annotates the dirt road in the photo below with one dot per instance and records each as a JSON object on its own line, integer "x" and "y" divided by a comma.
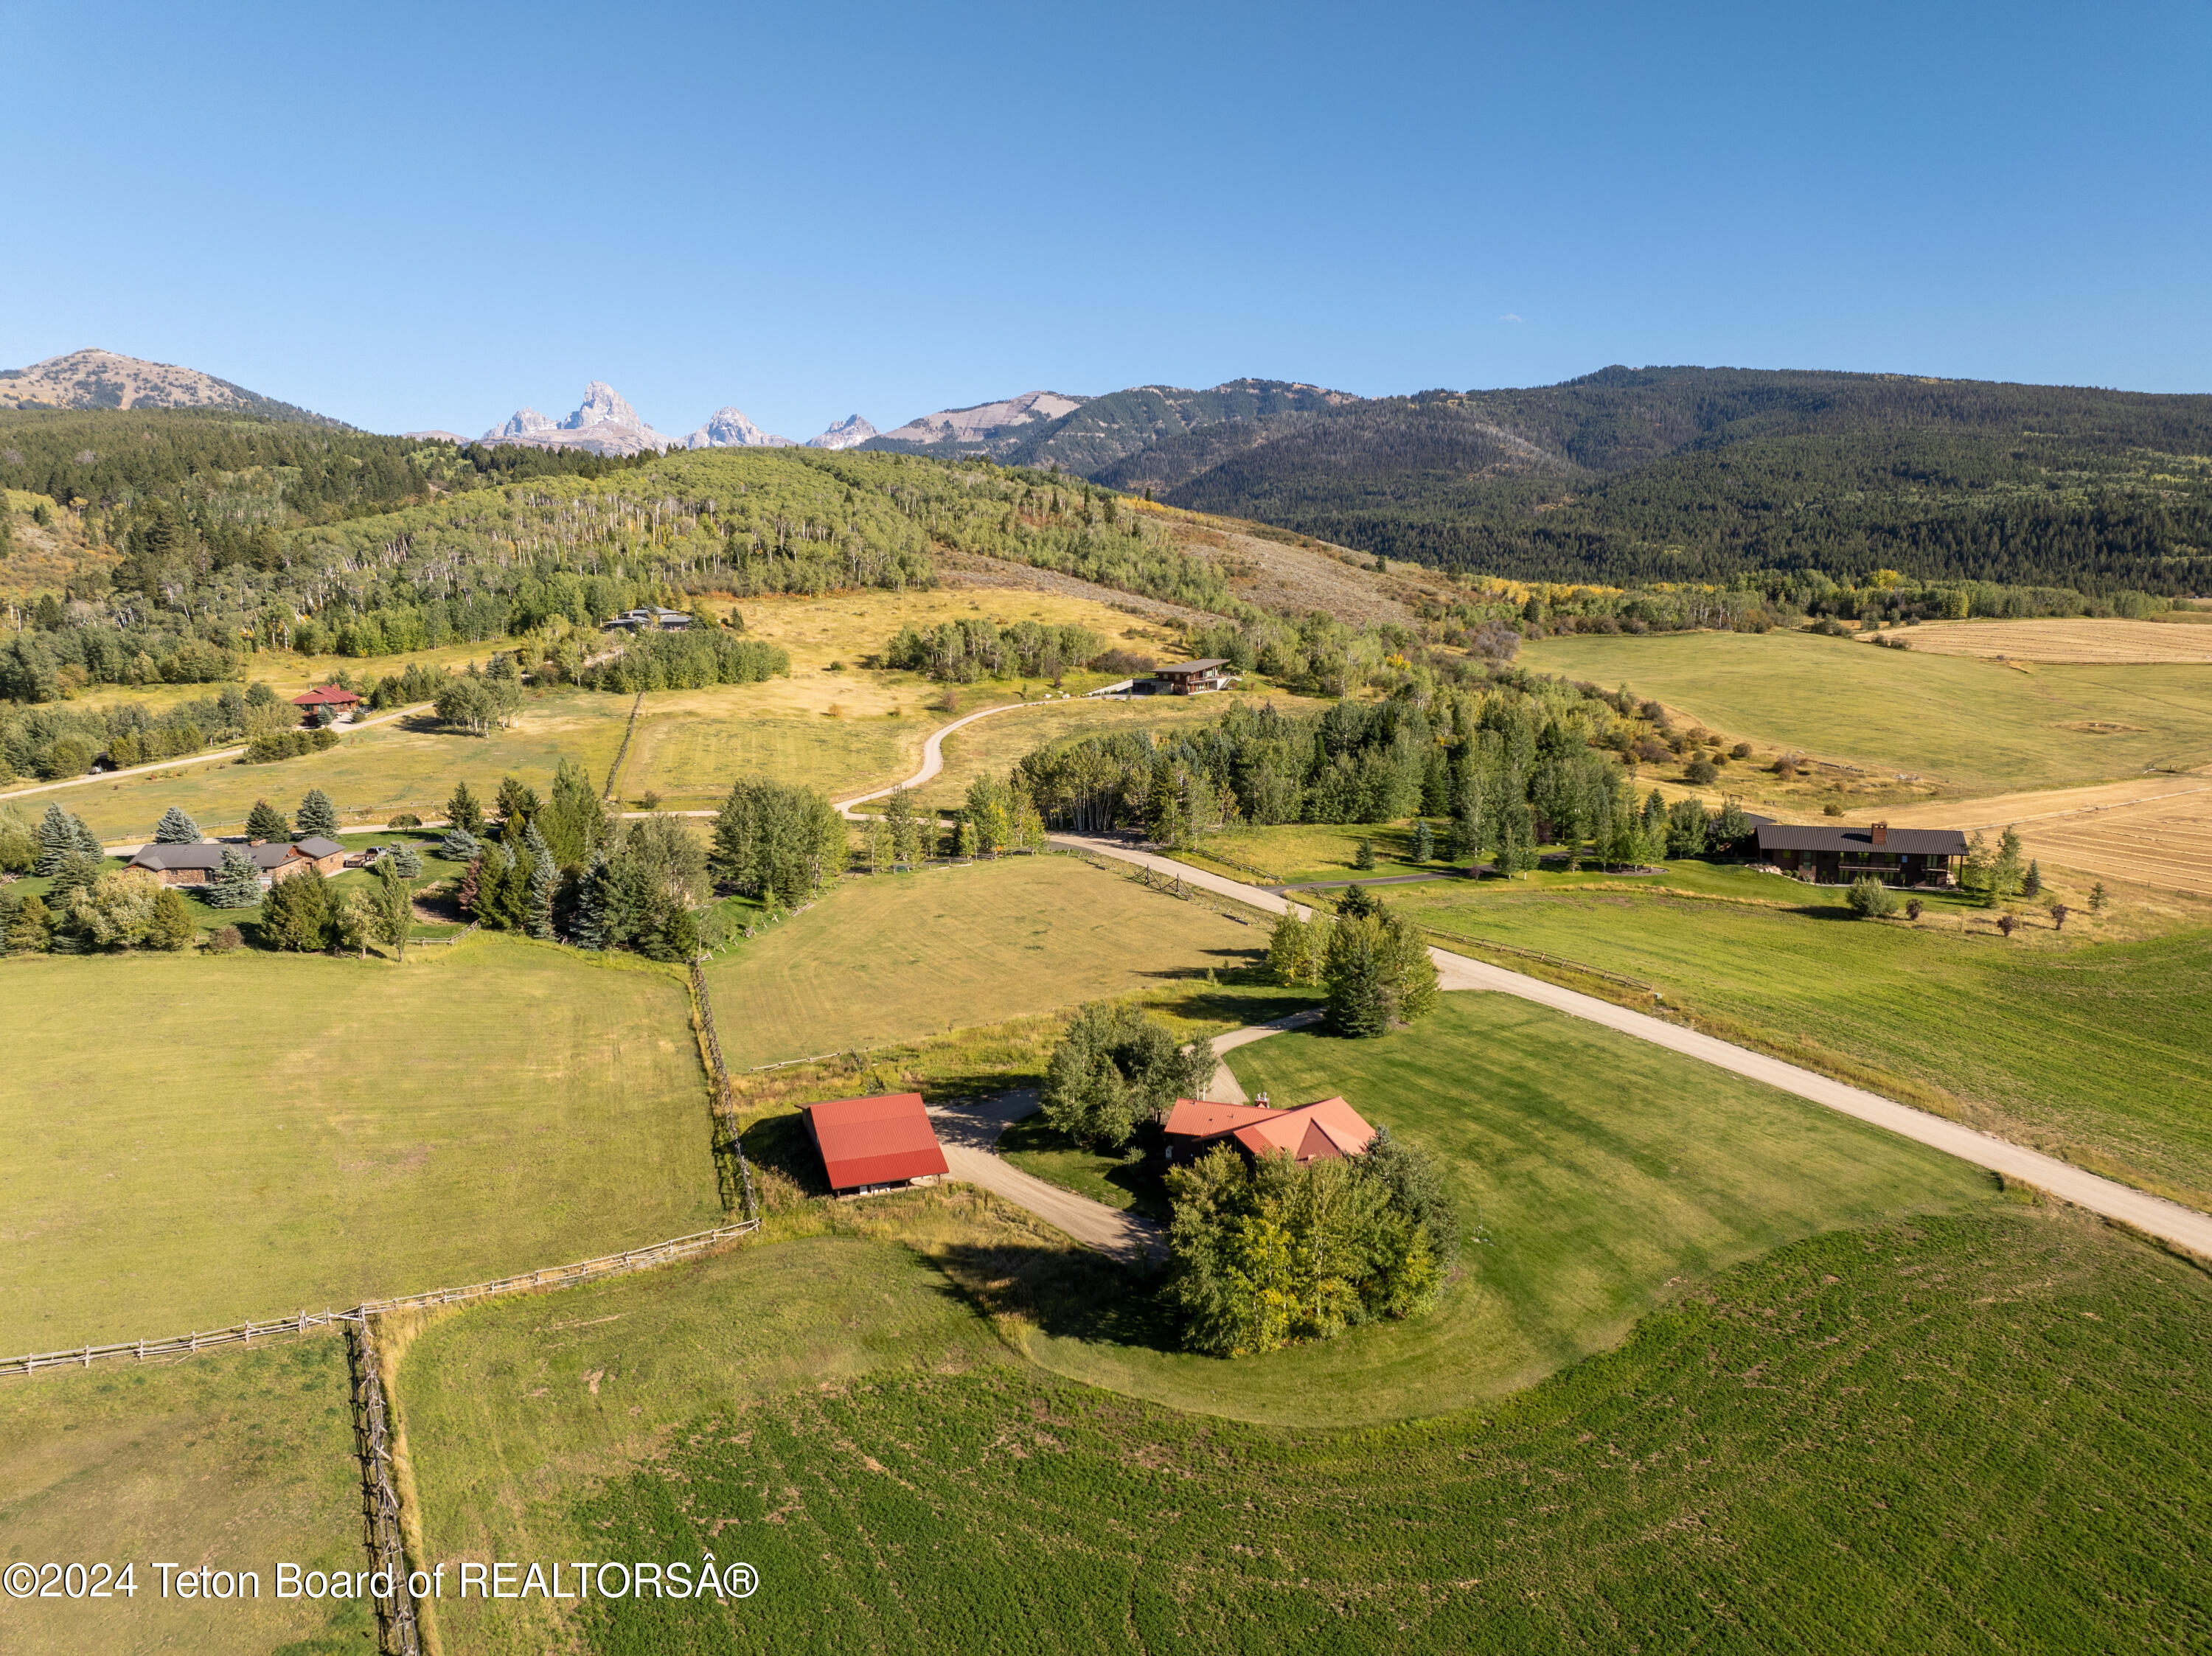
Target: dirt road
{"x": 969, "y": 1136}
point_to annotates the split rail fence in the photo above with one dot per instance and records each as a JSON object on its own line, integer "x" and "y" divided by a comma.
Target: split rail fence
{"x": 611, "y": 1264}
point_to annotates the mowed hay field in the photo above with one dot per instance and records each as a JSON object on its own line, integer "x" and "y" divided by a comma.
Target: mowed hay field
{"x": 233, "y": 1458}
{"x": 203, "y": 1140}
{"x": 1948, "y": 1435}
{"x": 408, "y": 764}
{"x": 893, "y": 957}
{"x": 1976, "y": 726}
{"x": 2154, "y": 830}
{"x": 1594, "y": 1174}
{"x": 691, "y": 745}
{"x": 2075, "y": 639}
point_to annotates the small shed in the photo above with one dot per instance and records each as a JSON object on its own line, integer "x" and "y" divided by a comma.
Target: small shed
{"x": 870, "y": 1145}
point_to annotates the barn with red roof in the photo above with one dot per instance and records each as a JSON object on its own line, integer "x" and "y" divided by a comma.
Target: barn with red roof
{"x": 1325, "y": 1130}
{"x": 875, "y": 1143}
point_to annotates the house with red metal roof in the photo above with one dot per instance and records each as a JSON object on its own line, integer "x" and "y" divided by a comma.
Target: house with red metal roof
{"x": 339, "y": 701}
{"x": 870, "y": 1145}
{"x": 1326, "y": 1129}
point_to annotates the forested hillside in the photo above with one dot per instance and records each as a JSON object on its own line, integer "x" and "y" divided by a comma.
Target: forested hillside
{"x": 1693, "y": 474}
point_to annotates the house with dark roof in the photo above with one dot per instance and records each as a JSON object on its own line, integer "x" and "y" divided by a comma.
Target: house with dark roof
{"x": 649, "y": 618}
{"x": 197, "y": 864}
{"x": 871, "y": 1144}
{"x": 1839, "y": 855}
{"x": 1188, "y": 678}
{"x": 1326, "y": 1129}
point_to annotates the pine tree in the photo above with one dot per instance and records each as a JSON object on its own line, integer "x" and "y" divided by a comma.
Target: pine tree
{"x": 171, "y": 928}
{"x": 2032, "y": 884}
{"x": 1424, "y": 841}
{"x": 1359, "y": 1004}
{"x": 88, "y": 842}
{"x": 517, "y": 800}
{"x": 237, "y": 883}
{"x": 1363, "y": 857}
{"x": 60, "y": 836}
{"x": 459, "y": 845}
{"x": 541, "y": 877}
{"x": 175, "y": 828}
{"x": 588, "y": 926}
{"x": 265, "y": 822}
{"x": 463, "y": 812}
{"x": 32, "y": 931}
{"x": 2097, "y": 898}
{"x": 296, "y": 913}
{"x": 403, "y": 860}
{"x": 316, "y": 814}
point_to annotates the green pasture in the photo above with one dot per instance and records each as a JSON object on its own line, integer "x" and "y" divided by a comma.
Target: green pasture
{"x": 233, "y": 1458}
{"x": 1595, "y": 1173}
{"x": 409, "y": 764}
{"x": 1950, "y": 1434}
{"x": 892, "y": 957}
{"x": 689, "y": 755}
{"x": 510, "y": 1410}
{"x": 1981, "y": 727}
{"x": 205, "y": 1138}
{"x": 2092, "y": 1051}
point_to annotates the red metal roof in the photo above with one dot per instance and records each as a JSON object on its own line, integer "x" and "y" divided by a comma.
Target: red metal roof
{"x": 875, "y": 1141}
{"x": 325, "y": 695}
{"x": 1329, "y": 1127}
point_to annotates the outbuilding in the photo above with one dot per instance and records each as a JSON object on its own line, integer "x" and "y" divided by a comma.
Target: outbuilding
{"x": 879, "y": 1144}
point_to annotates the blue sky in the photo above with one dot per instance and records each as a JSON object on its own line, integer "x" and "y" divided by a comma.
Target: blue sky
{"x": 429, "y": 217}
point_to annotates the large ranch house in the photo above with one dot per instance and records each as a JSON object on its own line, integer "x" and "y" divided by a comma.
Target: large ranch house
{"x": 197, "y": 864}
{"x": 1839, "y": 855}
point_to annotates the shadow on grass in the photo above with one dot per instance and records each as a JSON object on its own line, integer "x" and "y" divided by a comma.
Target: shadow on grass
{"x": 1068, "y": 1294}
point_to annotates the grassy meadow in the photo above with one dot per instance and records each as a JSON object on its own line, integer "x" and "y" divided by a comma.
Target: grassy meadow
{"x": 208, "y": 1138}
{"x": 1944, "y": 1435}
{"x": 1976, "y": 727}
{"x": 890, "y": 958}
{"x": 2089, "y": 1050}
{"x": 409, "y": 764}
{"x": 234, "y": 1459}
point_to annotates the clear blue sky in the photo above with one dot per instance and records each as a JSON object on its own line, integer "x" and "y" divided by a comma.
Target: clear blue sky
{"x": 429, "y": 217}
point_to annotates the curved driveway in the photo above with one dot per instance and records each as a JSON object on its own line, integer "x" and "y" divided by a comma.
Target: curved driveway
{"x": 933, "y": 750}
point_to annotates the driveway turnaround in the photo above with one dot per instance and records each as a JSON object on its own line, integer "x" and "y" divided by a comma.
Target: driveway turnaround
{"x": 968, "y": 1135}
{"x": 2154, "y": 1215}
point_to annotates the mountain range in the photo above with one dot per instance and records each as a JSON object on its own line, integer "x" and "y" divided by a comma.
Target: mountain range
{"x": 605, "y": 423}
{"x": 94, "y": 379}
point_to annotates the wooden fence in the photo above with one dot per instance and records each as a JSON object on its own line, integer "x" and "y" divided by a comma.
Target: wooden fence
{"x": 611, "y": 1264}
{"x": 614, "y": 771}
{"x": 397, "y": 1632}
{"x": 727, "y": 1147}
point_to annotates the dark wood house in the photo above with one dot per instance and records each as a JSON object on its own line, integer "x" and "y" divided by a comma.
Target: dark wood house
{"x": 1839, "y": 855}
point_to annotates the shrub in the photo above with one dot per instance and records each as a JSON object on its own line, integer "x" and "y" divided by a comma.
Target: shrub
{"x": 1832, "y": 809}
{"x": 1701, "y": 772}
{"x": 1741, "y": 750}
{"x": 2007, "y": 924}
{"x": 225, "y": 940}
{"x": 1870, "y": 900}
{"x": 1913, "y": 908}
{"x": 404, "y": 819}
{"x": 1115, "y": 1067}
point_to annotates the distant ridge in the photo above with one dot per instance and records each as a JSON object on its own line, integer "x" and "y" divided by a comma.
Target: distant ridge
{"x": 603, "y": 423}
{"x": 95, "y": 378}
{"x": 990, "y": 429}
{"x": 850, "y": 431}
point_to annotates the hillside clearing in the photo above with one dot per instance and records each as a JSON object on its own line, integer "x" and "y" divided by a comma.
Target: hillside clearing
{"x": 243, "y": 1136}
{"x": 893, "y": 957}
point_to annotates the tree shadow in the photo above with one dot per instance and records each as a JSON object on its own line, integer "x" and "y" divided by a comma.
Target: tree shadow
{"x": 1071, "y": 1293}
